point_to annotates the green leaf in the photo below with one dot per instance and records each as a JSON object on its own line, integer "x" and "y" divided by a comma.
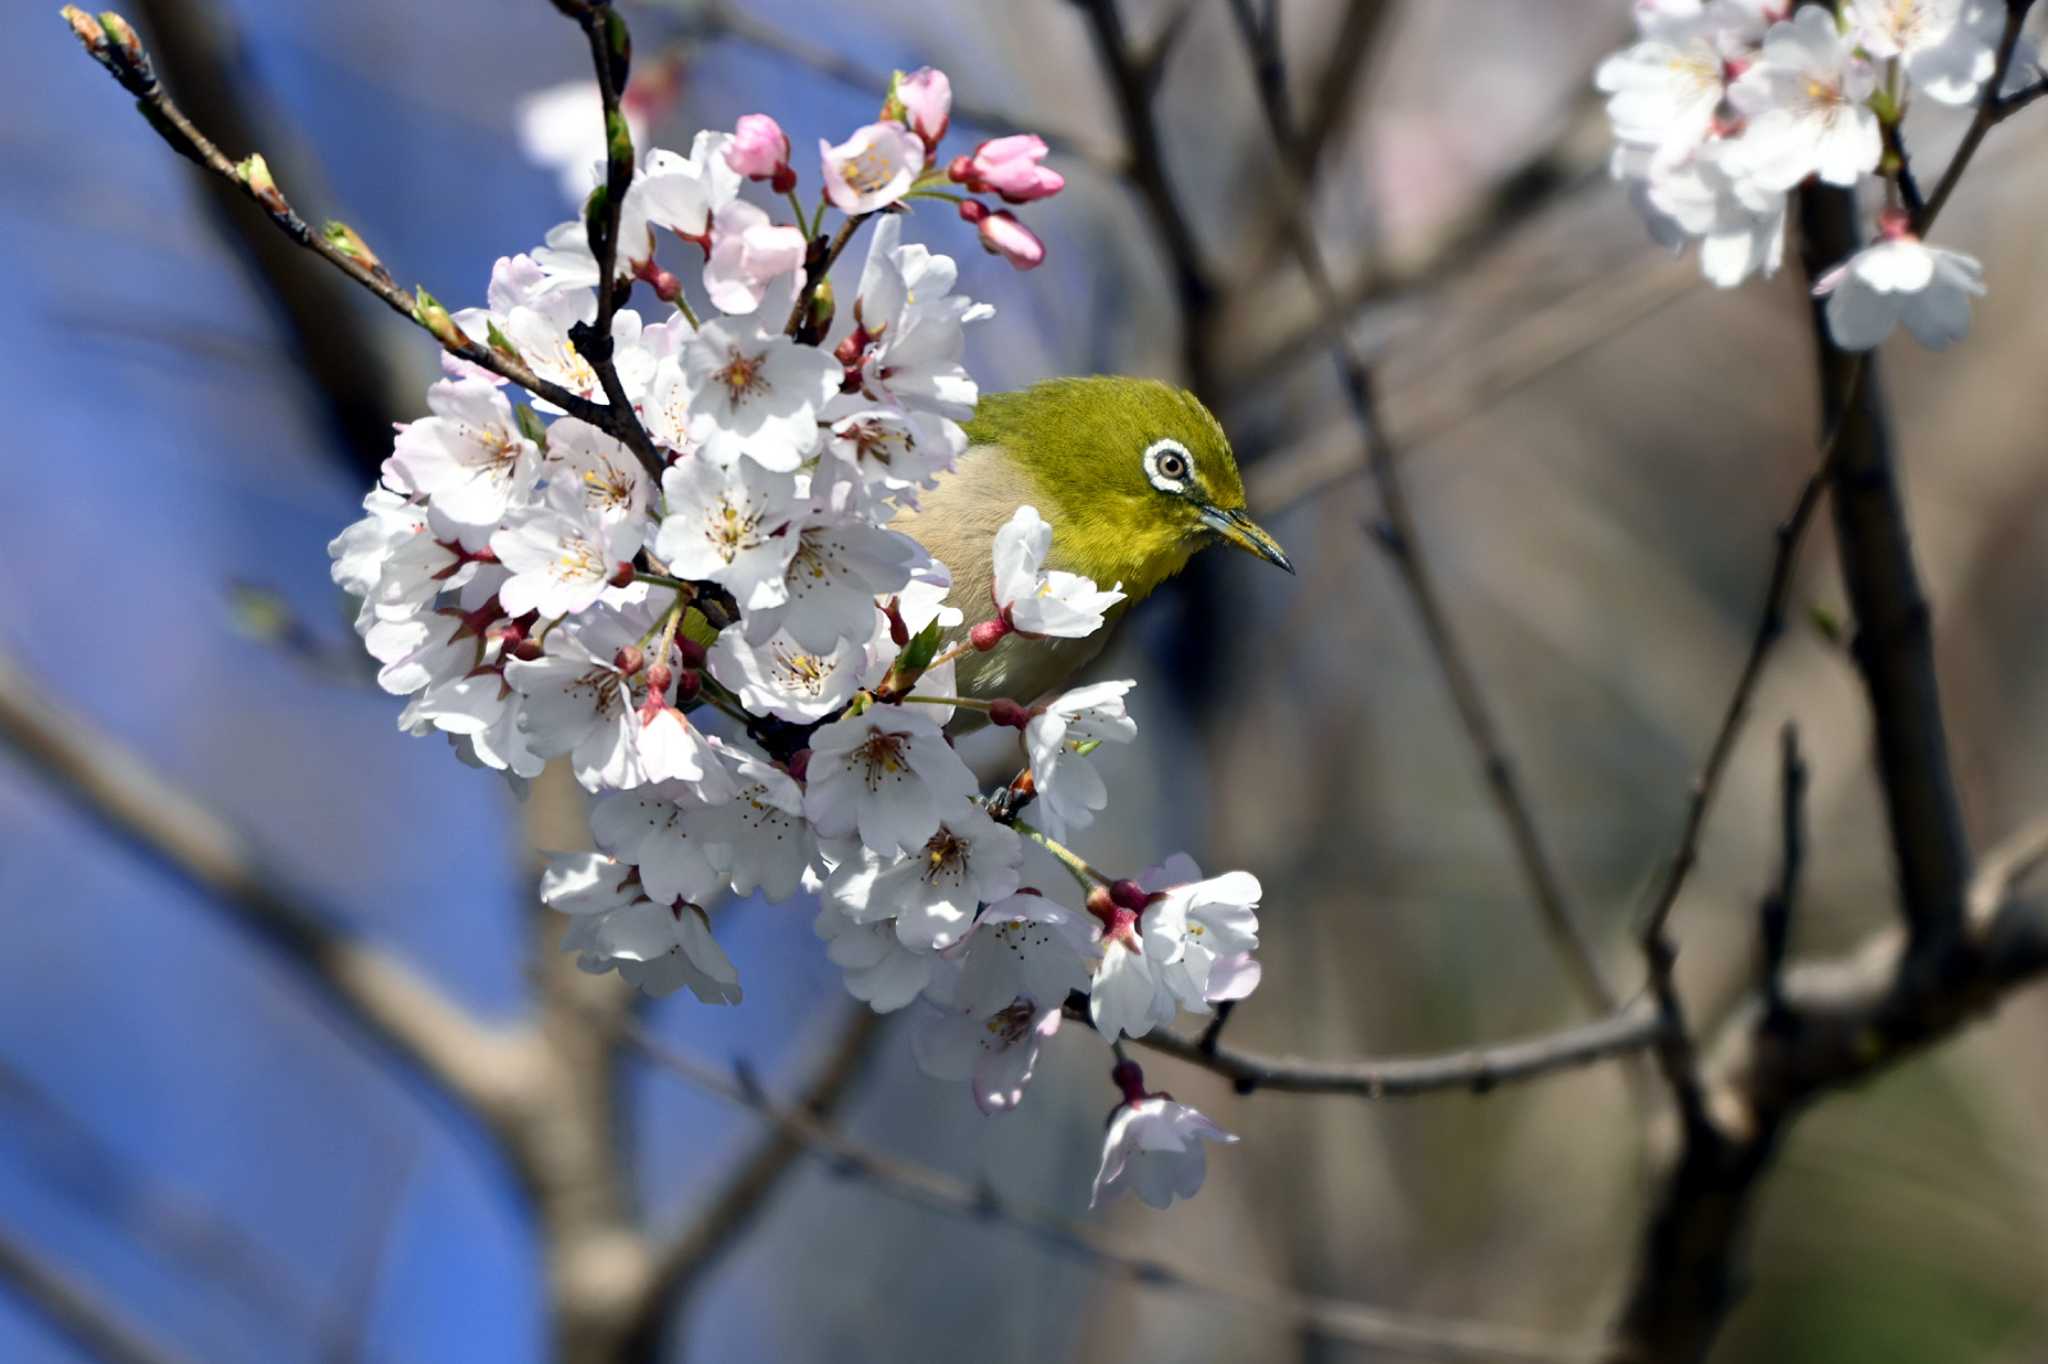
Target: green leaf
{"x": 919, "y": 653}
{"x": 529, "y": 421}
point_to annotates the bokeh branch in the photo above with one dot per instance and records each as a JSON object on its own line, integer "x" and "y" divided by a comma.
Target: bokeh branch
{"x": 1414, "y": 1336}
{"x": 1401, "y": 538}
{"x": 1831, "y": 1026}
{"x": 75, "y": 1311}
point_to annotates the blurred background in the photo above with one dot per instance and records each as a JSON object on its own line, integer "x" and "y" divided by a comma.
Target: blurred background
{"x": 196, "y": 1139}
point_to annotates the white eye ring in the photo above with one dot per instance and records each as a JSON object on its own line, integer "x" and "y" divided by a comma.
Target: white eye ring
{"x": 1168, "y": 465}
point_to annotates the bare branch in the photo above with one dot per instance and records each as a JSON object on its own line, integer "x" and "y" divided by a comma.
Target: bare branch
{"x": 76, "y": 1312}
{"x": 1474, "y": 1069}
{"x": 1993, "y": 108}
{"x": 197, "y": 46}
{"x": 403, "y": 1013}
{"x": 940, "y": 1192}
{"x": 1770, "y": 626}
{"x": 1401, "y": 538}
{"x": 696, "y": 1248}
{"x": 338, "y": 246}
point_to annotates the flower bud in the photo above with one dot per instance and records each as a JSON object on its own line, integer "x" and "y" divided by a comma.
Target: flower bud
{"x": 1008, "y": 714}
{"x": 973, "y": 210}
{"x": 629, "y": 659}
{"x": 658, "y": 678}
{"x": 988, "y": 634}
{"x": 759, "y": 148}
{"x": 1130, "y": 895}
{"x": 924, "y": 101}
{"x": 1130, "y": 1079}
{"x": 1009, "y": 166}
{"x": 527, "y": 651}
{"x": 693, "y": 653}
{"x": 1002, "y": 235}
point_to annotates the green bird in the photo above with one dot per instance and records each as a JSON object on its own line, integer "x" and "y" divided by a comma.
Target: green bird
{"x": 1133, "y": 475}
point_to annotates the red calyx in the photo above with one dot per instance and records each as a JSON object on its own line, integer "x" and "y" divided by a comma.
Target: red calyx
{"x": 1007, "y": 713}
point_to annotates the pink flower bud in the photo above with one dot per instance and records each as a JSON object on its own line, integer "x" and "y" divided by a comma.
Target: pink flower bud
{"x": 1009, "y": 166}
{"x": 972, "y": 210}
{"x": 693, "y": 653}
{"x": 1003, "y": 235}
{"x": 658, "y": 678}
{"x": 988, "y": 634}
{"x": 926, "y": 97}
{"x": 759, "y": 147}
{"x": 629, "y": 659}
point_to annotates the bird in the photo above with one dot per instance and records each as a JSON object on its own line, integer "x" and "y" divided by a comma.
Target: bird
{"x": 1133, "y": 475}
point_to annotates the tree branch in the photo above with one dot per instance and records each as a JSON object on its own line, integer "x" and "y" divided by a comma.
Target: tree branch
{"x": 1476, "y": 1069}
{"x": 1401, "y": 539}
{"x": 76, "y": 1312}
{"x": 1837, "y": 1024}
{"x": 125, "y": 59}
{"x": 696, "y": 1248}
{"x": 925, "y": 1187}
{"x": 342, "y": 356}
{"x": 410, "y": 1019}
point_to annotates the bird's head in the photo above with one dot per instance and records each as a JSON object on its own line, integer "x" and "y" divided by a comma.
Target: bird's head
{"x": 1134, "y": 475}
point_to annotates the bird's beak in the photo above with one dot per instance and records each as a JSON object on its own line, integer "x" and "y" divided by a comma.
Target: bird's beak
{"x": 1240, "y": 530}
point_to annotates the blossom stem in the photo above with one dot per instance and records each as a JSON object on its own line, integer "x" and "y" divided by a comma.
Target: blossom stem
{"x": 688, "y": 589}
{"x": 689, "y": 313}
{"x": 824, "y": 268}
{"x": 965, "y": 702}
{"x": 947, "y": 195}
{"x": 796, "y": 206}
{"x": 1073, "y": 861}
{"x": 960, "y": 650}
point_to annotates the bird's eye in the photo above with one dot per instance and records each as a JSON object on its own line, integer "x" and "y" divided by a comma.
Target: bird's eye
{"x": 1167, "y": 465}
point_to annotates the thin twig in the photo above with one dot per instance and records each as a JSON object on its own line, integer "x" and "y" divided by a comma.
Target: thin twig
{"x": 130, "y": 65}
{"x": 79, "y": 1314}
{"x": 1775, "y": 929}
{"x": 1401, "y": 538}
{"x": 1993, "y": 108}
{"x": 610, "y": 57}
{"x": 940, "y": 1192}
{"x": 1770, "y": 627}
{"x": 1475, "y": 1070}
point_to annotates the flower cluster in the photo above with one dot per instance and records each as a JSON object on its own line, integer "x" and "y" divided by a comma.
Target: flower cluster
{"x": 1722, "y": 107}
{"x": 735, "y": 653}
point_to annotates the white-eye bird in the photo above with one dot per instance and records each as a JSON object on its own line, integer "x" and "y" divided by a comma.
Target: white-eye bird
{"x": 1133, "y": 476}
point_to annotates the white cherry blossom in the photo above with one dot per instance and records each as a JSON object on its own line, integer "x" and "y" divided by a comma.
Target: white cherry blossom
{"x": 780, "y": 677}
{"x": 469, "y": 459}
{"x": 1900, "y": 280}
{"x": 729, "y": 525}
{"x": 1154, "y": 1149}
{"x": 1057, "y": 741}
{"x": 1804, "y": 98}
{"x": 933, "y": 893}
{"x": 887, "y": 774}
{"x": 753, "y": 392}
{"x": 658, "y": 948}
{"x": 1038, "y": 601}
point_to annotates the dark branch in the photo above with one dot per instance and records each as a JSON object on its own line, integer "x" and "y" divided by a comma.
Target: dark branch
{"x": 344, "y": 250}
{"x": 1415, "y": 1336}
{"x": 75, "y": 1312}
{"x": 1476, "y": 1070}
{"x": 695, "y": 1249}
{"x": 1401, "y": 539}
